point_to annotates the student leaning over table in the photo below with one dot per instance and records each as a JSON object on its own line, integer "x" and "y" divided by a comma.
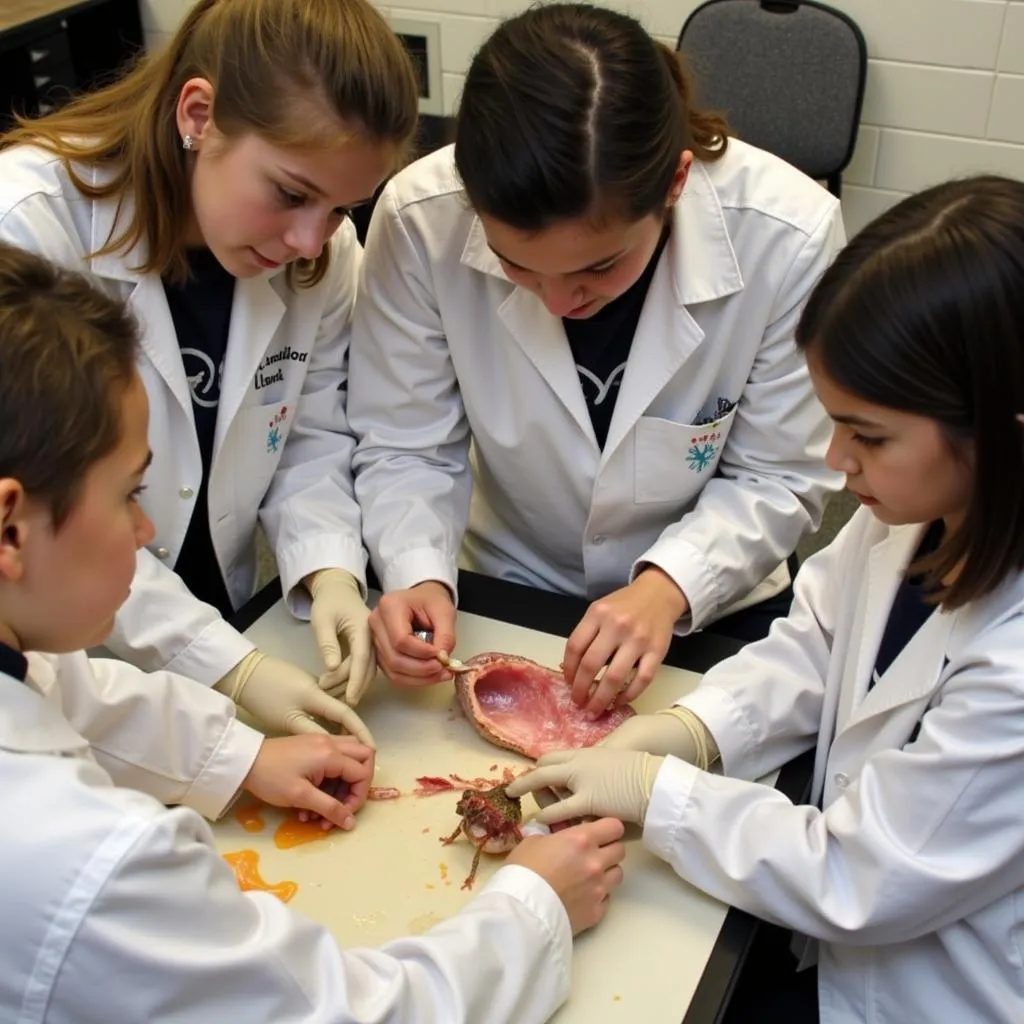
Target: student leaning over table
{"x": 598, "y": 289}
{"x": 902, "y": 659}
{"x": 209, "y": 187}
{"x": 115, "y": 907}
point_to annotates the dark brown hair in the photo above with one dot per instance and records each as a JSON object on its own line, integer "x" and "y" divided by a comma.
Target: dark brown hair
{"x": 67, "y": 355}
{"x": 298, "y": 73}
{"x": 571, "y": 110}
{"x": 924, "y": 312}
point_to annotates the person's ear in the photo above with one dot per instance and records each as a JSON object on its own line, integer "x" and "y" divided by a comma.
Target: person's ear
{"x": 195, "y": 104}
{"x": 675, "y": 190}
{"x": 14, "y": 529}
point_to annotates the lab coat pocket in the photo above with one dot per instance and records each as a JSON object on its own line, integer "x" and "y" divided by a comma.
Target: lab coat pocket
{"x": 675, "y": 460}
{"x": 260, "y": 435}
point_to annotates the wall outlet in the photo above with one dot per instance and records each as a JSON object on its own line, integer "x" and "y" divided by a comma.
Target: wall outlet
{"x": 423, "y": 41}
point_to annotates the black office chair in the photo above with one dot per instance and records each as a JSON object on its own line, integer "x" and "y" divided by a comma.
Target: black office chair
{"x": 789, "y": 74}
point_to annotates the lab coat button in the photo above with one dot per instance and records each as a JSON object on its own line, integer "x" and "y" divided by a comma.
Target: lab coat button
{"x": 162, "y": 553}
{"x": 600, "y": 538}
{"x": 185, "y": 492}
{"x": 841, "y": 779}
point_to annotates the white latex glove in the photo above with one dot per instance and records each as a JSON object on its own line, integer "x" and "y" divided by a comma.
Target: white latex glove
{"x": 339, "y": 611}
{"x": 285, "y": 697}
{"x": 676, "y": 731}
{"x": 601, "y": 783}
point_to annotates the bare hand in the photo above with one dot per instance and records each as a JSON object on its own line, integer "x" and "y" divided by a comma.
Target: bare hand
{"x": 582, "y": 865}
{"x": 406, "y": 659}
{"x": 628, "y": 631}
{"x": 304, "y": 772}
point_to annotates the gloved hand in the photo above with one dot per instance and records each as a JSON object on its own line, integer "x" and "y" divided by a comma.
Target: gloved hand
{"x": 339, "y": 610}
{"x": 285, "y": 697}
{"x": 676, "y": 731}
{"x": 602, "y": 783}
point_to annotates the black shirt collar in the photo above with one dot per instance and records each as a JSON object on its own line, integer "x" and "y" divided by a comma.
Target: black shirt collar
{"x": 13, "y": 663}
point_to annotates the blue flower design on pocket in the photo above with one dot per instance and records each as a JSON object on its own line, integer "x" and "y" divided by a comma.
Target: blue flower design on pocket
{"x": 703, "y": 449}
{"x": 699, "y": 457}
{"x": 274, "y": 432}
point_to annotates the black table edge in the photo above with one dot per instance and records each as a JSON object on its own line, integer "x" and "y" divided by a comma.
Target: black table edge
{"x": 557, "y": 614}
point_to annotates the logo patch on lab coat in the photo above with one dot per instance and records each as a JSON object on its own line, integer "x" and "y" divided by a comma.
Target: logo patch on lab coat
{"x": 274, "y": 433}
{"x": 266, "y": 374}
{"x": 703, "y": 449}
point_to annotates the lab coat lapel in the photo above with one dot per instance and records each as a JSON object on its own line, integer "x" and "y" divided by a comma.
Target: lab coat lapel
{"x": 916, "y": 671}
{"x": 145, "y": 293}
{"x": 539, "y": 334}
{"x": 886, "y": 564}
{"x": 256, "y": 314}
{"x": 699, "y": 265}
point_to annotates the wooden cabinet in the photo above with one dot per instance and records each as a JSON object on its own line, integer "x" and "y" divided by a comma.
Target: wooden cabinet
{"x": 52, "y": 49}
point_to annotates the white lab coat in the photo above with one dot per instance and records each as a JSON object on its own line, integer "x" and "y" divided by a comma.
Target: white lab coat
{"x": 912, "y": 877}
{"x": 118, "y": 909}
{"x": 281, "y": 451}
{"x": 445, "y": 348}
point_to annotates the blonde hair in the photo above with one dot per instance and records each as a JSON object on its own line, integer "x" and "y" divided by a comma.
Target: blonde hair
{"x": 269, "y": 62}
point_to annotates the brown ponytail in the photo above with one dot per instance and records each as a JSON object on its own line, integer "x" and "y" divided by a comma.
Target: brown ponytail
{"x": 572, "y": 110}
{"x": 708, "y": 130}
{"x": 296, "y": 72}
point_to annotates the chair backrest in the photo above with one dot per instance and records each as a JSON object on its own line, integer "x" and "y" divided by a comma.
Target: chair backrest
{"x": 789, "y": 76}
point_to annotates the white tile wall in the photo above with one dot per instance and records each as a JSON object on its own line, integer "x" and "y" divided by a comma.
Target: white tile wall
{"x": 1006, "y": 118}
{"x": 1011, "y": 53}
{"x": 945, "y": 91}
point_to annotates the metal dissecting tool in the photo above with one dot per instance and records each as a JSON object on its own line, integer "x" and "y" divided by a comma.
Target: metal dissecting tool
{"x": 452, "y": 664}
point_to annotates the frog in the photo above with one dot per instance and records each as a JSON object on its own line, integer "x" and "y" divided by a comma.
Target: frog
{"x": 491, "y": 820}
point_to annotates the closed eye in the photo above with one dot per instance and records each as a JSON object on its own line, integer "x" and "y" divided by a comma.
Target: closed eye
{"x": 290, "y": 198}
{"x": 868, "y": 442}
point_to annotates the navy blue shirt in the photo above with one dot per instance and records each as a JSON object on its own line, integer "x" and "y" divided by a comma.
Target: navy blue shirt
{"x": 13, "y": 663}
{"x": 601, "y": 344}
{"x": 201, "y": 311}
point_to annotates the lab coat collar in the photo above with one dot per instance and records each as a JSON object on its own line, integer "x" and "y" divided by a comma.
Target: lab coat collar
{"x": 700, "y": 251}
{"x": 32, "y": 724}
{"x": 476, "y": 253}
{"x": 110, "y": 216}
{"x": 258, "y": 307}
{"x": 256, "y": 314}
{"x": 699, "y": 265}
{"x": 917, "y": 670}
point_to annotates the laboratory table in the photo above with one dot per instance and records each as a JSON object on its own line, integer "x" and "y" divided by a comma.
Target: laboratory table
{"x": 665, "y": 954}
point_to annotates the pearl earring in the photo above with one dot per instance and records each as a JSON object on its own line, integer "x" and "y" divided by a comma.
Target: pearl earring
{"x": 188, "y": 142}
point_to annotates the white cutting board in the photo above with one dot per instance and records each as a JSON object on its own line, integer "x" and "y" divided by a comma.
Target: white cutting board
{"x": 390, "y": 876}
